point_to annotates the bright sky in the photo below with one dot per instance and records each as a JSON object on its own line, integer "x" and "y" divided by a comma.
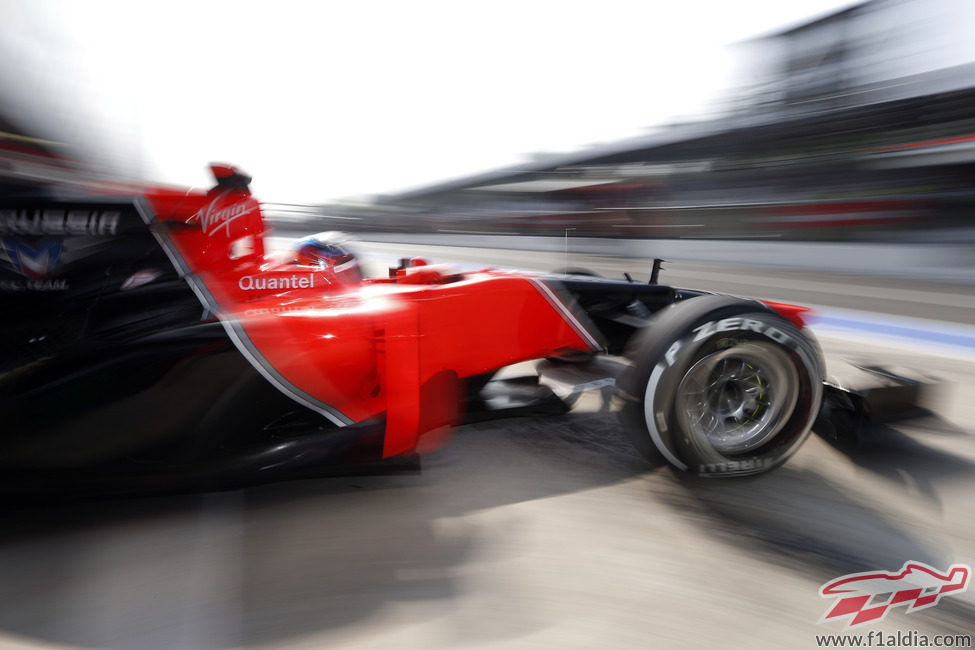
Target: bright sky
{"x": 322, "y": 100}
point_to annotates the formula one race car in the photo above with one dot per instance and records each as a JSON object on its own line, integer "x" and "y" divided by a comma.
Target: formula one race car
{"x": 149, "y": 341}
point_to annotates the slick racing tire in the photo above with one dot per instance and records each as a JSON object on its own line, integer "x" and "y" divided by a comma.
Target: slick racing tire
{"x": 720, "y": 386}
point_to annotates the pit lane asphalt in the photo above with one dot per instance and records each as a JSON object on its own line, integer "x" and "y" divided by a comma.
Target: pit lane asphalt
{"x": 530, "y": 533}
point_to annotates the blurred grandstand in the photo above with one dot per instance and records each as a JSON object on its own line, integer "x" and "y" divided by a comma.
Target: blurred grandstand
{"x": 27, "y": 161}
{"x": 857, "y": 126}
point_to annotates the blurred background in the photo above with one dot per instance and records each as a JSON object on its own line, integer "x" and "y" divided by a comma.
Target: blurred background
{"x": 822, "y": 121}
{"x": 819, "y": 151}
{"x": 853, "y": 126}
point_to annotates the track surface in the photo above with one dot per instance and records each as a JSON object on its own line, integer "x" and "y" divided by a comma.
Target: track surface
{"x": 531, "y": 533}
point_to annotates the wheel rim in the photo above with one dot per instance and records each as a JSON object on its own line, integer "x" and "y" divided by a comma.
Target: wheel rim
{"x": 737, "y": 399}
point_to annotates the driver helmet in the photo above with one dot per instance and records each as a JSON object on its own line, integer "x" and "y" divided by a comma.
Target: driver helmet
{"x": 327, "y": 251}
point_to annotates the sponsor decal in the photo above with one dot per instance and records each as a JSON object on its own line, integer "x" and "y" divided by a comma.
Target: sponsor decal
{"x": 33, "y": 285}
{"x": 735, "y": 466}
{"x": 276, "y": 282}
{"x": 671, "y": 355}
{"x": 213, "y": 220}
{"x": 283, "y": 309}
{"x": 36, "y": 263}
{"x": 737, "y": 323}
{"x": 733, "y": 324}
{"x": 59, "y": 222}
{"x": 140, "y": 278}
{"x": 868, "y": 597}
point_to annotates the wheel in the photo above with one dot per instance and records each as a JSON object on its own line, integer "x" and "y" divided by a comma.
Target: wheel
{"x": 720, "y": 386}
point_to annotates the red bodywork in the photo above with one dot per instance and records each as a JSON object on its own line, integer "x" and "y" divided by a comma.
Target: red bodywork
{"x": 399, "y": 348}
{"x": 795, "y": 314}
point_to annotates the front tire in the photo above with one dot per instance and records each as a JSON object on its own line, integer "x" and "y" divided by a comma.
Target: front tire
{"x": 720, "y": 386}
